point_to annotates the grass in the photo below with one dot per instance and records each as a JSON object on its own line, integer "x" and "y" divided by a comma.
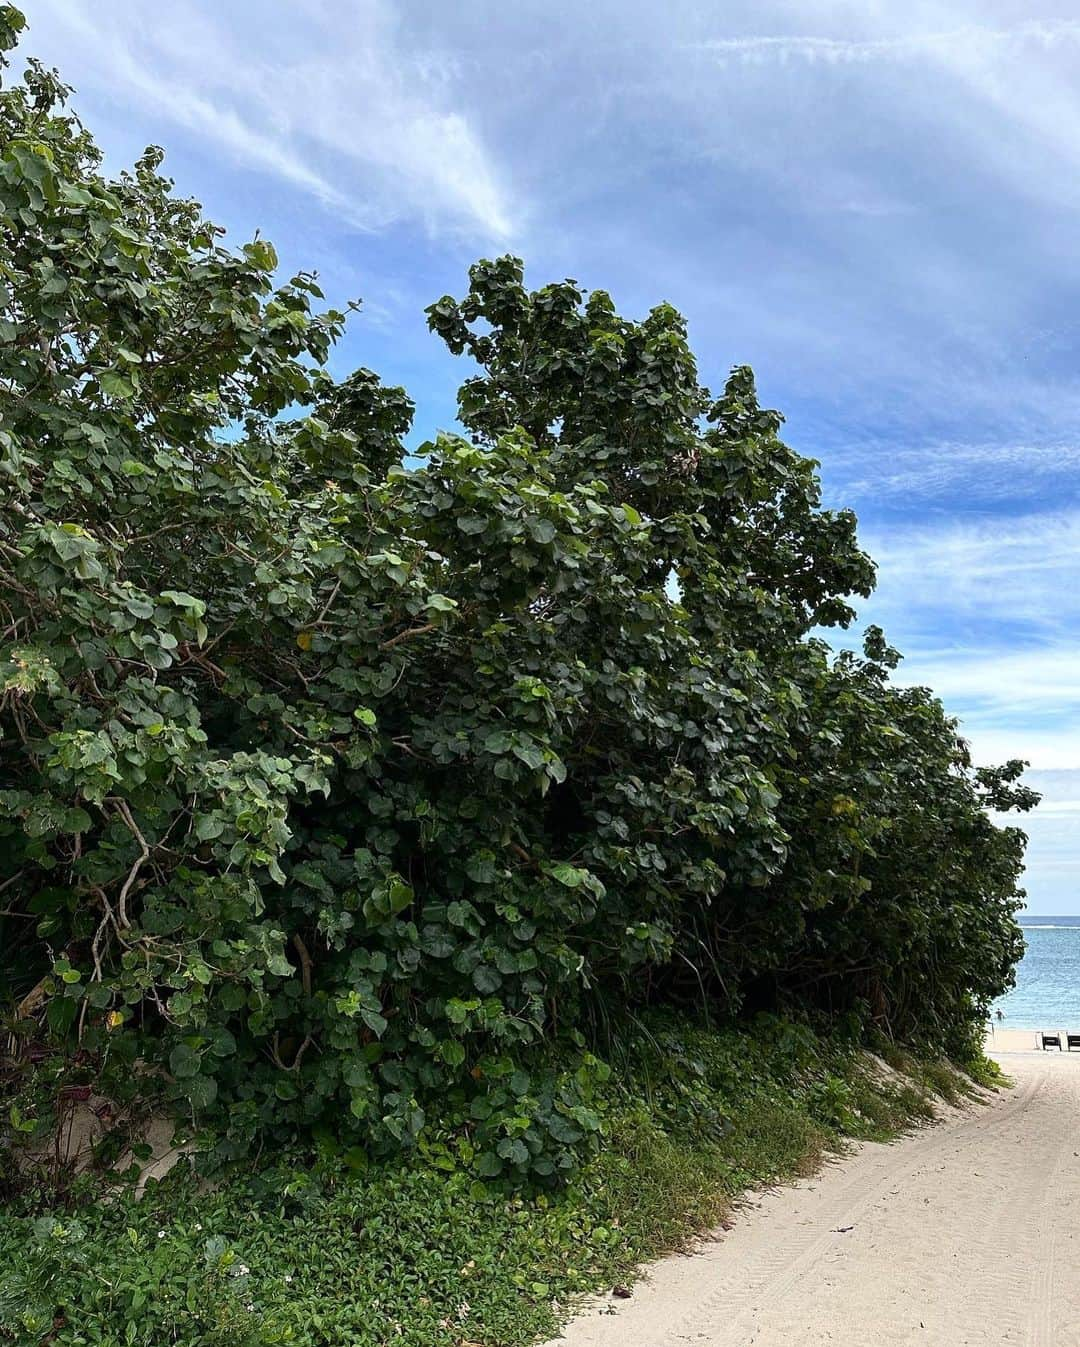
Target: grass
{"x": 422, "y": 1258}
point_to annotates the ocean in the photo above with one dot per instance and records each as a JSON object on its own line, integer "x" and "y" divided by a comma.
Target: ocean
{"x": 1047, "y": 991}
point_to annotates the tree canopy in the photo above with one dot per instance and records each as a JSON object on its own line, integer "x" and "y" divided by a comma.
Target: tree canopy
{"x": 345, "y": 798}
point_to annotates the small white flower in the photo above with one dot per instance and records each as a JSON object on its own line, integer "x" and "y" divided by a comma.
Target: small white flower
{"x": 242, "y": 1270}
{"x": 288, "y": 1276}
{"x": 161, "y": 1234}
{"x": 251, "y": 1308}
{"x": 198, "y": 1225}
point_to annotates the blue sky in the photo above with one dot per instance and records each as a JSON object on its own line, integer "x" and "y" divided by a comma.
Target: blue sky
{"x": 876, "y": 205}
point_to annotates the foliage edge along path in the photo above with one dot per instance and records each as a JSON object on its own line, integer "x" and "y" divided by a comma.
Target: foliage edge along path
{"x": 345, "y": 799}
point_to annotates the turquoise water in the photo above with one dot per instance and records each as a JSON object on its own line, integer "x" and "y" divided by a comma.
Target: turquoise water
{"x": 1047, "y": 991}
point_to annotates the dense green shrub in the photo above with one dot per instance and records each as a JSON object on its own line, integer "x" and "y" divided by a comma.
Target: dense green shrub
{"x": 340, "y": 797}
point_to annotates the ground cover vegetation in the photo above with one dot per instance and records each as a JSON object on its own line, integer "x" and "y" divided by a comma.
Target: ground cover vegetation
{"x": 353, "y": 804}
{"x": 315, "y": 1256}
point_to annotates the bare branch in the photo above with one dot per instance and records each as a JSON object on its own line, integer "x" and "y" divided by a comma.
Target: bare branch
{"x": 407, "y": 635}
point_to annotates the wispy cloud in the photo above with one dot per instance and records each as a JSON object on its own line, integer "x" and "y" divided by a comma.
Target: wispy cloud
{"x": 1011, "y": 692}
{"x": 1021, "y": 574}
{"x": 1053, "y": 858}
{"x": 342, "y": 112}
{"x": 817, "y": 50}
{"x": 987, "y": 612}
{"x": 1053, "y": 807}
{"x": 1047, "y": 750}
{"x": 910, "y": 475}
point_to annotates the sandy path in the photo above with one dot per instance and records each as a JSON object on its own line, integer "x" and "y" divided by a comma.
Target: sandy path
{"x": 965, "y": 1233}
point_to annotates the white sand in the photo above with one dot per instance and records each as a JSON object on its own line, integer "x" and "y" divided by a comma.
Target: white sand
{"x": 967, "y": 1232}
{"x": 1023, "y": 1040}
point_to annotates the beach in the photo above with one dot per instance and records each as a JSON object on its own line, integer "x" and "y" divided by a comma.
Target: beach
{"x": 1002, "y": 1042}
{"x": 965, "y": 1232}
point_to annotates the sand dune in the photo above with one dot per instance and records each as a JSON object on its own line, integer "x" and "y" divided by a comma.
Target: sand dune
{"x": 967, "y": 1232}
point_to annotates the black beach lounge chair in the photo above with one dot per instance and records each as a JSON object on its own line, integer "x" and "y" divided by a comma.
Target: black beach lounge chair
{"x": 1073, "y": 1040}
{"x": 1053, "y": 1041}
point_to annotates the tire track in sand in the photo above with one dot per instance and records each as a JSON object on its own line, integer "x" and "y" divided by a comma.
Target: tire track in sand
{"x": 792, "y": 1259}
{"x": 955, "y": 1244}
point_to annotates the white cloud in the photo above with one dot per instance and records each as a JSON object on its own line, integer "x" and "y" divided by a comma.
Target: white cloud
{"x": 936, "y": 472}
{"x": 1053, "y": 856}
{"x": 1023, "y": 109}
{"x": 987, "y": 612}
{"x": 955, "y": 572}
{"x": 1037, "y": 680}
{"x": 330, "y": 101}
{"x": 845, "y": 51}
{"x": 1047, "y": 749}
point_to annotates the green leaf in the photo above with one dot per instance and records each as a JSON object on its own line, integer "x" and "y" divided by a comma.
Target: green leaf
{"x": 566, "y": 874}
{"x": 452, "y": 1052}
{"x": 201, "y": 1091}
{"x": 541, "y": 530}
{"x": 184, "y": 1062}
{"x": 209, "y": 826}
{"x": 194, "y": 606}
{"x": 115, "y": 385}
{"x": 481, "y": 868}
{"x": 486, "y": 980}
{"x": 439, "y": 603}
{"x": 262, "y": 254}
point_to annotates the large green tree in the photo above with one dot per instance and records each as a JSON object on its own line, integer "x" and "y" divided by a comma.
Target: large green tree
{"x": 350, "y": 798}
